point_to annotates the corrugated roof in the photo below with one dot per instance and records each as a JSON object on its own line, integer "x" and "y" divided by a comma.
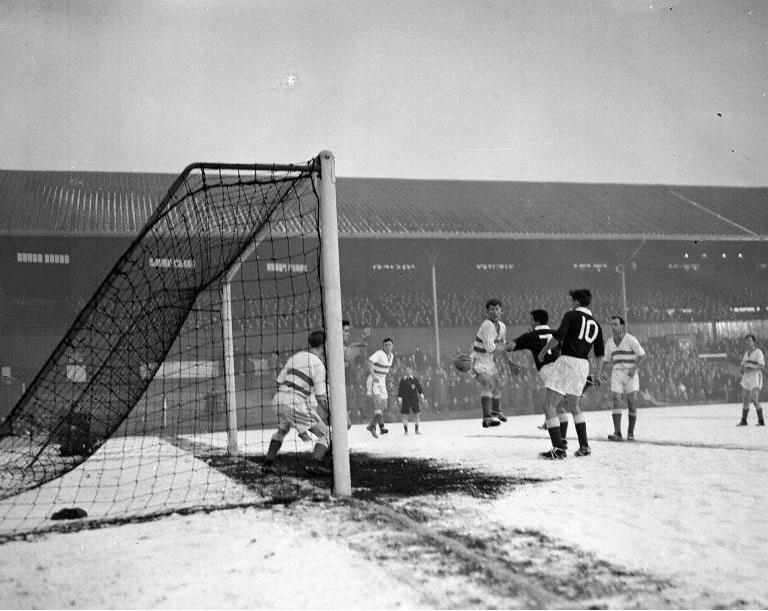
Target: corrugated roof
{"x": 106, "y": 203}
{"x": 78, "y": 202}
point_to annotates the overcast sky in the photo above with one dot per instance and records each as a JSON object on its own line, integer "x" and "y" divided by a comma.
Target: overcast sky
{"x": 639, "y": 91}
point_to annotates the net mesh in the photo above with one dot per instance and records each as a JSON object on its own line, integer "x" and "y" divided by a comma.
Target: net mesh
{"x": 129, "y": 415}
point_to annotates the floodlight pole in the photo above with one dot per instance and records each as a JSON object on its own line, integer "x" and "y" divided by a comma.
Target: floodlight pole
{"x": 621, "y": 268}
{"x": 433, "y": 262}
{"x": 334, "y": 337}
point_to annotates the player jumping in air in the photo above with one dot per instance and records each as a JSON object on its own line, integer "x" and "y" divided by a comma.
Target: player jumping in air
{"x": 579, "y": 333}
{"x": 752, "y": 365}
{"x": 491, "y": 334}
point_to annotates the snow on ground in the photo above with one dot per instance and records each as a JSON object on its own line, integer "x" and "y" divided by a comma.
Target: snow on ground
{"x": 126, "y": 476}
{"x": 685, "y": 503}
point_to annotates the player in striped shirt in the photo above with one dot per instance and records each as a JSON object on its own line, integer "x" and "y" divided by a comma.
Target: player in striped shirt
{"x": 491, "y": 335}
{"x": 379, "y": 364}
{"x": 301, "y": 376}
{"x": 752, "y": 365}
{"x": 624, "y": 352}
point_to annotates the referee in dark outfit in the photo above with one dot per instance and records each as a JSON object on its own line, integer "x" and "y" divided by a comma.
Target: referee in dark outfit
{"x": 409, "y": 398}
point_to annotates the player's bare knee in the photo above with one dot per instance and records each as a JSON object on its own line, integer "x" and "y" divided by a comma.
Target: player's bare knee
{"x": 572, "y": 403}
{"x": 281, "y": 432}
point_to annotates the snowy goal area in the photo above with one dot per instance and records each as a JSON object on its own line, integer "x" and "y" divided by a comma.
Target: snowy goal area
{"x": 683, "y": 507}
{"x": 127, "y": 476}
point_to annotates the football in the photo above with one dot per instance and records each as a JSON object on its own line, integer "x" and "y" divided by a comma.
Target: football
{"x": 462, "y": 362}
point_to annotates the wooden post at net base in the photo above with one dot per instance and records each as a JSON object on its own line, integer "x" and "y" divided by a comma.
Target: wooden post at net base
{"x": 229, "y": 368}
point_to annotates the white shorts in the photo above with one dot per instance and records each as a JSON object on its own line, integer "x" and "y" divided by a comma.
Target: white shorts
{"x": 484, "y": 365}
{"x": 752, "y": 380}
{"x": 569, "y": 374}
{"x": 294, "y": 408}
{"x": 376, "y": 387}
{"x": 546, "y": 373}
{"x": 621, "y": 382}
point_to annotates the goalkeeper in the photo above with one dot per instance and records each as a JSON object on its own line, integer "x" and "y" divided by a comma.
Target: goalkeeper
{"x": 301, "y": 376}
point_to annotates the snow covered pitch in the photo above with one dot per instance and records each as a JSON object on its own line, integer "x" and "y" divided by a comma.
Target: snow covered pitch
{"x": 676, "y": 519}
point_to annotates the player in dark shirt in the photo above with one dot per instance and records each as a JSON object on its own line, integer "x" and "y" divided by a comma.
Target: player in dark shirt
{"x": 410, "y": 396}
{"x": 578, "y": 335}
{"x": 534, "y": 340}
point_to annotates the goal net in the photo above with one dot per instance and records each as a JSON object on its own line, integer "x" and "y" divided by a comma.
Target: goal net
{"x": 162, "y": 386}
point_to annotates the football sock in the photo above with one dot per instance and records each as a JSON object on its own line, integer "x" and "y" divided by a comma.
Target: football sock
{"x": 581, "y": 432}
{"x": 274, "y": 448}
{"x": 485, "y": 402}
{"x": 564, "y": 428}
{"x": 319, "y": 452}
{"x": 617, "y": 423}
{"x": 760, "y": 414}
{"x": 553, "y": 428}
{"x": 495, "y": 405}
{"x": 631, "y": 427}
{"x": 744, "y": 414}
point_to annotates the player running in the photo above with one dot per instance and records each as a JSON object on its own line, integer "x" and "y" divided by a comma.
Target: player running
{"x": 579, "y": 333}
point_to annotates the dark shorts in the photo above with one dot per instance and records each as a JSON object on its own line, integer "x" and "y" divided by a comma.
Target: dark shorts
{"x": 407, "y": 409}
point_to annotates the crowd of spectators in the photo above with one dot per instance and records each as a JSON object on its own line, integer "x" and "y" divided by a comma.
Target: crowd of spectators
{"x": 409, "y": 304}
{"x": 411, "y": 307}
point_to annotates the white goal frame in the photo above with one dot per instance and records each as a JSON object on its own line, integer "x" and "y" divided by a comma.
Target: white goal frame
{"x": 334, "y": 346}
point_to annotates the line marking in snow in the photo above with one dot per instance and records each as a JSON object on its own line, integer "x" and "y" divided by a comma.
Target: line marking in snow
{"x": 542, "y": 599}
{"x": 671, "y": 444}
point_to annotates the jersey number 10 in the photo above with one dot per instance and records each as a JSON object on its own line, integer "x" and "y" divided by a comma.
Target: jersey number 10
{"x": 589, "y": 329}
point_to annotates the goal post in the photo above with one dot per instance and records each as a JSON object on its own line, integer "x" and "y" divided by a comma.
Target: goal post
{"x": 334, "y": 348}
{"x": 329, "y": 253}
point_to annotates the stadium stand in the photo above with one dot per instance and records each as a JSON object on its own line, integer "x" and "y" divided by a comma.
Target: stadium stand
{"x": 704, "y": 259}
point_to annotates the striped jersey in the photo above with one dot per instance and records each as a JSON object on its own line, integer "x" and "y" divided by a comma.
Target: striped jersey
{"x": 752, "y": 378}
{"x": 754, "y": 358}
{"x": 534, "y": 341}
{"x": 304, "y": 374}
{"x": 382, "y": 363}
{"x": 624, "y": 355}
{"x": 488, "y": 336}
